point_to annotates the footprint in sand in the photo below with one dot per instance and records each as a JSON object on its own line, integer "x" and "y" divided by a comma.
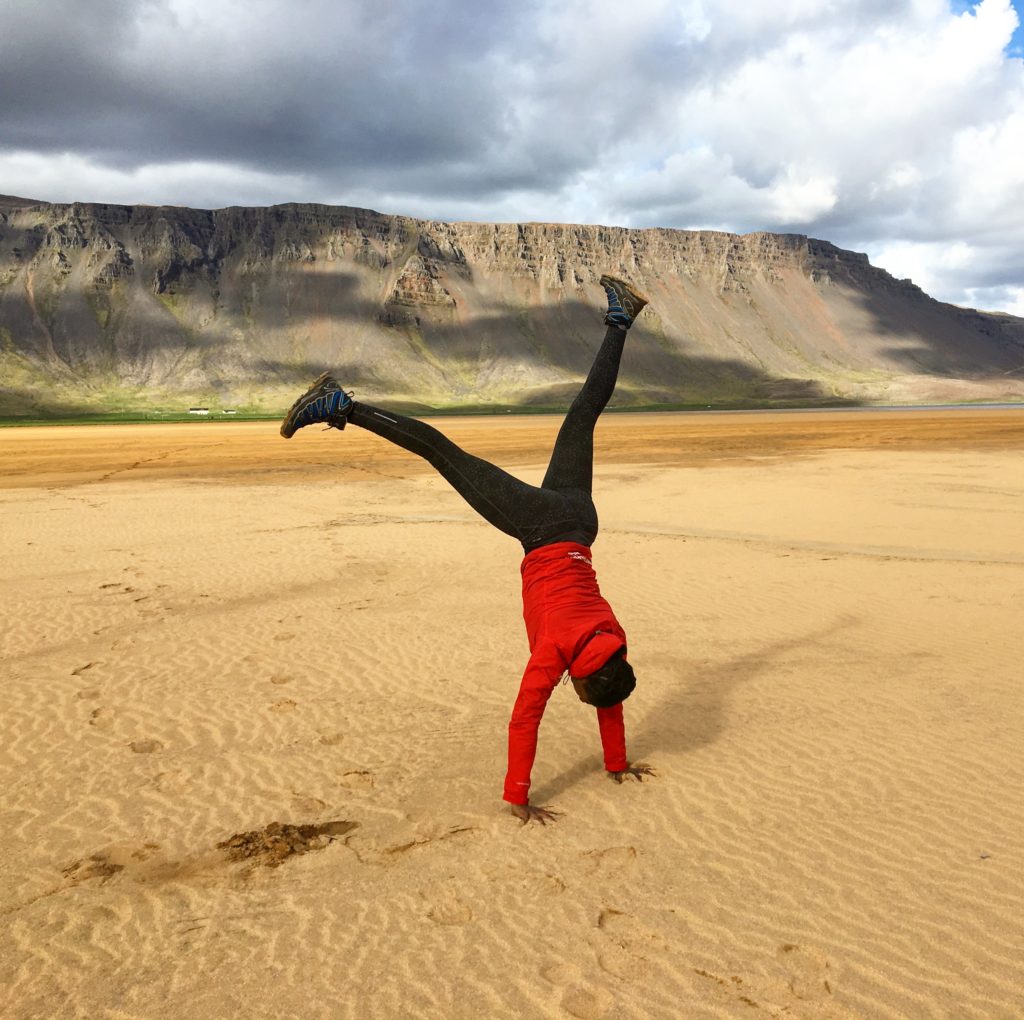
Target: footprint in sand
{"x": 285, "y": 705}
{"x": 357, "y": 779}
{"x": 283, "y": 637}
{"x": 611, "y": 861}
{"x": 96, "y": 866}
{"x": 331, "y": 739}
{"x": 551, "y": 885}
{"x": 89, "y": 695}
{"x": 104, "y": 864}
{"x": 802, "y": 975}
{"x": 82, "y": 669}
{"x": 809, "y": 972}
{"x": 307, "y": 805}
{"x": 627, "y": 945}
{"x": 146, "y": 746}
{"x": 586, "y": 1003}
{"x": 280, "y": 678}
{"x": 623, "y": 963}
{"x": 449, "y": 910}
{"x": 171, "y": 781}
{"x": 578, "y": 999}
{"x": 101, "y": 718}
{"x": 560, "y": 973}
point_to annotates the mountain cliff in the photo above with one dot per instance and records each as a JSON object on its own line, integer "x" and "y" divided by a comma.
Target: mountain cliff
{"x": 108, "y": 307}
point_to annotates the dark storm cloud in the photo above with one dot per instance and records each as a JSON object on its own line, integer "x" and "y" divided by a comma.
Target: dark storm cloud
{"x": 337, "y": 89}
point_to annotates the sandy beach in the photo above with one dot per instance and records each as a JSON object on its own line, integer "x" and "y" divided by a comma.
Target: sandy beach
{"x": 206, "y": 630}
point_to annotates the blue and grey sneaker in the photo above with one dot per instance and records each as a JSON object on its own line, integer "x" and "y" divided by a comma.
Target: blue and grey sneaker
{"x": 624, "y": 303}
{"x": 325, "y": 401}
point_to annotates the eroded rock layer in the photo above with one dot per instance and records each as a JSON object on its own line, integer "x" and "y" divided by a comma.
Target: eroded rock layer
{"x": 106, "y": 307}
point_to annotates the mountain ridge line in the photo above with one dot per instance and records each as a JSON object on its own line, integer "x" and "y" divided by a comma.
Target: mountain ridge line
{"x": 129, "y": 308}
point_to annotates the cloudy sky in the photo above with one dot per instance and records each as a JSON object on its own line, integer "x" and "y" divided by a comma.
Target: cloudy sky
{"x": 894, "y": 127}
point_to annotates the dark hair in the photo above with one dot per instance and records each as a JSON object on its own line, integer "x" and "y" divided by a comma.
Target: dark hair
{"x": 611, "y": 684}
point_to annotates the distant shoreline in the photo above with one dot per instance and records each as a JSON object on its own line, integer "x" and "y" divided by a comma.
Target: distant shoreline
{"x": 154, "y": 418}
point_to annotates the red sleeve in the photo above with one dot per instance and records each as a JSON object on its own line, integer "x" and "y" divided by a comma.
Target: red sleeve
{"x": 613, "y": 737}
{"x": 539, "y": 680}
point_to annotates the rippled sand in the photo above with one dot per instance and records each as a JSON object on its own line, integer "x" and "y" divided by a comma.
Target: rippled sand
{"x": 206, "y": 630}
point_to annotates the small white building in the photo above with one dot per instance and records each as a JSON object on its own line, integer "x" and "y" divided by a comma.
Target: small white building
{"x": 198, "y": 410}
{"x": 229, "y": 410}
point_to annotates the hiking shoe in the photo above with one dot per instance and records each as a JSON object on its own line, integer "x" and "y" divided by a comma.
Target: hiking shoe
{"x": 325, "y": 401}
{"x": 624, "y": 303}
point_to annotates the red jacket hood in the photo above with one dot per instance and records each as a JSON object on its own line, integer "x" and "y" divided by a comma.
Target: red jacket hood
{"x": 595, "y": 653}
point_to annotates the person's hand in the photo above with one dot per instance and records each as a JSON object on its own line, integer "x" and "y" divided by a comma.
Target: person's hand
{"x": 636, "y": 772}
{"x": 528, "y": 813}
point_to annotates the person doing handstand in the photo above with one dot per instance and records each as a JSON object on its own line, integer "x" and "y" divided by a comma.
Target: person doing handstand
{"x": 570, "y": 627}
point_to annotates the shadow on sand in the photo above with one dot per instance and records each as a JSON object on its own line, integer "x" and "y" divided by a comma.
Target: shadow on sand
{"x": 690, "y": 712}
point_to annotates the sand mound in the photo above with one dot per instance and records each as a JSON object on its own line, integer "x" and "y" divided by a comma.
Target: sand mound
{"x": 271, "y": 846}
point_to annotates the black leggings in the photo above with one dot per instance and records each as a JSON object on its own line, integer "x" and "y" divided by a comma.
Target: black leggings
{"x": 561, "y": 510}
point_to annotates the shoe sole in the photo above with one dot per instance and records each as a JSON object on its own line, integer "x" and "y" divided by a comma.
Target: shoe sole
{"x": 639, "y": 295}
{"x": 319, "y": 381}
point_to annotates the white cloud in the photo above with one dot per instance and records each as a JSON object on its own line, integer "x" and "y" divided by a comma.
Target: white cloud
{"x": 1013, "y": 302}
{"x": 931, "y": 266}
{"x": 68, "y": 177}
{"x": 893, "y": 128}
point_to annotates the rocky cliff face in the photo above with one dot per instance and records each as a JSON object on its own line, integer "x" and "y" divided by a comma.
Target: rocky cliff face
{"x": 123, "y": 307}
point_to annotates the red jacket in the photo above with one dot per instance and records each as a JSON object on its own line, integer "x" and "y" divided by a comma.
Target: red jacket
{"x": 570, "y": 627}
